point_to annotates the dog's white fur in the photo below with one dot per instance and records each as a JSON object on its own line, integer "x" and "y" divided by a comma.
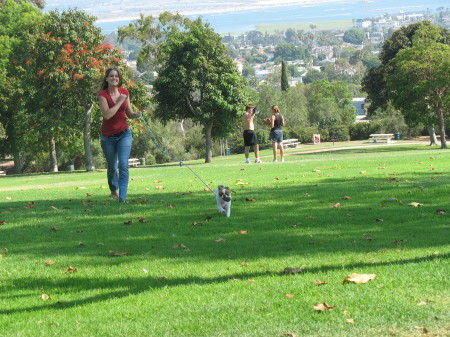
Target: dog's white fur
{"x": 223, "y": 199}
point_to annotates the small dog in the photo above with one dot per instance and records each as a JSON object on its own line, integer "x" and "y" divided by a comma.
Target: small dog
{"x": 223, "y": 199}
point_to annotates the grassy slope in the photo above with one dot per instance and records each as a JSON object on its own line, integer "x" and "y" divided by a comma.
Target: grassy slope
{"x": 176, "y": 280}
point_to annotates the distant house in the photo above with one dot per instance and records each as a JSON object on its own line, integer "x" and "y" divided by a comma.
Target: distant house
{"x": 359, "y": 103}
{"x": 360, "y": 23}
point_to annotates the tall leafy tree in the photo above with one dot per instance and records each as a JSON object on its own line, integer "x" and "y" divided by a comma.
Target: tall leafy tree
{"x": 375, "y": 81}
{"x": 420, "y": 81}
{"x": 355, "y": 36}
{"x": 197, "y": 80}
{"x": 284, "y": 77}
{"x": 206, "y": 86}
{"x": 17, "y": 23}
{"x": 329, "y": 101}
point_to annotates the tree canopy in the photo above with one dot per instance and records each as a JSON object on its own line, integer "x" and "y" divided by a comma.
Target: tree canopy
{"x": 354, "y": 36}
{"x": 395, "y": 79}
{"x": 197, "y": 80}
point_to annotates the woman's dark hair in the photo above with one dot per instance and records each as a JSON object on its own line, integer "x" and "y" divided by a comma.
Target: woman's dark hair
{"x": 108, "y": 71}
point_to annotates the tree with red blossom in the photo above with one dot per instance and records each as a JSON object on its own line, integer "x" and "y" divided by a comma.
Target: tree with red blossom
{"x": 69, "y": 62}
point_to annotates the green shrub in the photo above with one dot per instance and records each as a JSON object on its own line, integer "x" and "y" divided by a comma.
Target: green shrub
{"x": 303, "y": 134}
{"x": 361, "y": 131}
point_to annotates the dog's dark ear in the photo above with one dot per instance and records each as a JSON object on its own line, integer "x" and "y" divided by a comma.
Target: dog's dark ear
{"x": 227, "y": 199}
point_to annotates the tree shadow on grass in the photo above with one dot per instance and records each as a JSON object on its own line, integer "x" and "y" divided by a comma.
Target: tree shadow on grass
{"x": 138, "y": 285}
{"x": 285, "y": 219}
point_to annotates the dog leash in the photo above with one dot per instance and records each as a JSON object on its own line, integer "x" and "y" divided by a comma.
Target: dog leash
{"x": 155, "y": 140}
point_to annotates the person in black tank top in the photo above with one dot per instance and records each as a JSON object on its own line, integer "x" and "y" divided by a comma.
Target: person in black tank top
{"x": 276, "y": 132}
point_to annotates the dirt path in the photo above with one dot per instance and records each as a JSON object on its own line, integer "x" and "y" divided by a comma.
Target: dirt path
{"x": 349, "y": 148}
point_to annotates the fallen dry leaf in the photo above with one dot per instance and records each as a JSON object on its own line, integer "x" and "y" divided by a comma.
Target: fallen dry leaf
{"x": 129, "y": 222}
{"x": 157, "y": 181}
{"x": 415, "y": 204}
{"x": 290, "y": 295}
{"x": 290, "y": 334}
{"x": 45, "y": 297}
{"x": 346, "y": 197}
{"x": 350, "y": 320}
{"x": 240, "y": 182}
{"x": 1, "y": 256}
{"x": 441, "y": 211}
{"x": 424, "y": 330}
{"x": 250, "y": 199}
{"x": 316, "y": 170}
{"x": 54, "y": 229}
{"x": 71, "y": 270}
{"x": 142, "y": 219}
{"x": 160, "y": 187}
{"x": 243, "y": 232}
{"x": 55, "y": 208}
{"x": 49, "y": 263}
{"x": 359, "y": 278}
{"x": 320, "y": 283}
{"x": 336, "y": 205}
{"x": 323, "y": 307}
{"x": 3, "y": 222}
{"x": 362, "y": 172}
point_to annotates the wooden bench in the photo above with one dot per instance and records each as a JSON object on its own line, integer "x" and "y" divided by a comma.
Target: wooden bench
{"x": 290, "y": 143}
{"x": 134, "y": 162}
{"x": 381, "y": 136}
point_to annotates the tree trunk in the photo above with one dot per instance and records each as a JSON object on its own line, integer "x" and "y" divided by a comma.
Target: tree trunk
{"x": 441, "y": 127}
{"x": 208, "y": 141}
{"x": 53, "y": 159}
{"x": 18, "y": 163}
{"x": 181, "y": 127}
{"x": 432, "y": 133}
{"x": 87, "y": 139}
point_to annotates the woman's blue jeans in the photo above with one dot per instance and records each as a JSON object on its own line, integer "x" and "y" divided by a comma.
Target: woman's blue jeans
{"x": 117, "y": 152}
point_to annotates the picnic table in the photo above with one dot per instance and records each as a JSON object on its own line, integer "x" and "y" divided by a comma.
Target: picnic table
{"x": 134, "y": 162}
{"x": 290, "y": 142}
{"x": 381, "y": 136}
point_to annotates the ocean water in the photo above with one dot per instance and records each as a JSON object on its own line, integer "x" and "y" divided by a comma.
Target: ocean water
{"x": 243, "y": 21}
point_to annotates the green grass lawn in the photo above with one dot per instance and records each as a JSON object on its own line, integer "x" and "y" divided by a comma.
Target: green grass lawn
{"x": 332, "y": 214}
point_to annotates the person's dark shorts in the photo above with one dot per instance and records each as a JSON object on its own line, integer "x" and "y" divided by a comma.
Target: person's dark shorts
{"x": 276, "y": 136}
{"x": 250, "y": 138}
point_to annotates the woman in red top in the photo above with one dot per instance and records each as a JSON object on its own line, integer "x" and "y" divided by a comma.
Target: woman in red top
{"x": 116, "y": 138}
